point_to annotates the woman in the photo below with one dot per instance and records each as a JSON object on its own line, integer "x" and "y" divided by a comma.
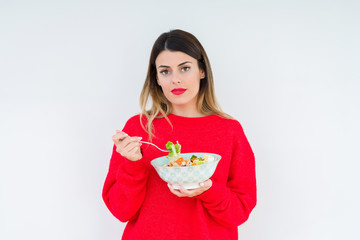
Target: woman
{"x": 184, "y": 108}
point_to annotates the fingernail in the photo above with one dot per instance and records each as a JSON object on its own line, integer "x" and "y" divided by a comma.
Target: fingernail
{"x": 126, "y": 134}
{"x": 139, "y": 138}
{"x": 202, "y": 184}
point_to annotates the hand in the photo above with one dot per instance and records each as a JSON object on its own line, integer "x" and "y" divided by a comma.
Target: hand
{"x": 128, "y": 147}
{"x": 182, "y": 192}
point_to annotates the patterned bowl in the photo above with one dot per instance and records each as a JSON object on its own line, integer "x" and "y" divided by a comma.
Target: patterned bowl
{"x": 189, "y": 176}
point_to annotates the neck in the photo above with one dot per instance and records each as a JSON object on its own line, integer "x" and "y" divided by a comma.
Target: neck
{"x": 186, "y": 112}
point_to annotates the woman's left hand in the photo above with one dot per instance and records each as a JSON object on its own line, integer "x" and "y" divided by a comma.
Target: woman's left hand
{"x": 182, "y": 192}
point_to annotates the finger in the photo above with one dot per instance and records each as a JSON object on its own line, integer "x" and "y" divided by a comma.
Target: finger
{"x": 124, "y": 134}
{"x": 131, "y": 151}
{"x": 206, "y": 185}
{"x": 134, "y": 154}
{"x": 175, "y": 192}
{"x": 132, "y": 146}
{"x": 130, "y": 140}
{"x": 185, "y": 191}
{"x": 119, "y": 135}
{"x": 190, "y": 192}
{"x": 127, "y": 140}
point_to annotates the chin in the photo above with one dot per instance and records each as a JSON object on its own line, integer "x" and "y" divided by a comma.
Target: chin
{"x": 182, "y": 102}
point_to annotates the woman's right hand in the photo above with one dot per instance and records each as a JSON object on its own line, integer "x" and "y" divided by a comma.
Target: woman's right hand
{"x": 128, "y": 147}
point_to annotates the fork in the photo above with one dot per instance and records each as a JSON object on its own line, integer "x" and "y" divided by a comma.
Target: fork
{"x": 164, "y": 150}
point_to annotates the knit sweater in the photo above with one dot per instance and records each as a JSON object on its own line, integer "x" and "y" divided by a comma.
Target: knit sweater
{"x": 134, "y": 193}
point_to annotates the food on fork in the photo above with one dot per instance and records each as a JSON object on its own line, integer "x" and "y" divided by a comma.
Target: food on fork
{"x": 176, "y": 160}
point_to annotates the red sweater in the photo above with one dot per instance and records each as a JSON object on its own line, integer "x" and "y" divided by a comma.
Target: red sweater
{"x": 134, "y": 192}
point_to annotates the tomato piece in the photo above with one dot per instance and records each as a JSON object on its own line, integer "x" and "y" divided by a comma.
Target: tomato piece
{"x": 179, "y": 161}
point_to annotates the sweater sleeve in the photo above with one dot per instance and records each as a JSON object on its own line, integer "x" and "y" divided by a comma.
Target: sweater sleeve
{"x": 230, "y": 204}
{"x": 125, "y": 185}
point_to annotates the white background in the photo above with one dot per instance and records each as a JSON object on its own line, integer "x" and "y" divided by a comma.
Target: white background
{"x": 71, "y": 74}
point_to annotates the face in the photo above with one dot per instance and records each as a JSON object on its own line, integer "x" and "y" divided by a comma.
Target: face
{"x": 179, "y": 76}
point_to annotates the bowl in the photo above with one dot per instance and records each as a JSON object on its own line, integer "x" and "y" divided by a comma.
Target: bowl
{"x": 187, "y": 176}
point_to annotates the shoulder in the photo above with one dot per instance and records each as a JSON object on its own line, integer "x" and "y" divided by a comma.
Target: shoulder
{"x": 232, "y": 128}
{"x": 229, "y": 122}
{"x": 133, "y": 122}
{"x": 134, "y": 119}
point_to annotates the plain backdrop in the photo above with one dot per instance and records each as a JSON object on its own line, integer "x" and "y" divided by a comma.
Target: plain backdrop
{"x": 71, "y": 73}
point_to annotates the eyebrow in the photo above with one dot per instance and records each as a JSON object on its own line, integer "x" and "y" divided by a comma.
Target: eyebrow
{"x": 164, "y": 66}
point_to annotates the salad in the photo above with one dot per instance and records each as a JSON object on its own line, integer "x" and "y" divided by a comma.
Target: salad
{"x": 176, "y": 160}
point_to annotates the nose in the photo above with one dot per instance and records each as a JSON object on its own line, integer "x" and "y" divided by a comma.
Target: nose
{"x": 175, "y": 78}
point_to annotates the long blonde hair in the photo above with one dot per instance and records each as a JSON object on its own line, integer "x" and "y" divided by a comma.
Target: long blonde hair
{"x": 177, "y": 40}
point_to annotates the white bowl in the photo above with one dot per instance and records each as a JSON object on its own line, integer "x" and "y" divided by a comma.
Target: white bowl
{"x": 187, "y": 176}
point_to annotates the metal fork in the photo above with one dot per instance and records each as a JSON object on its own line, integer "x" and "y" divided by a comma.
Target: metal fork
{"x": 164, "y": 150}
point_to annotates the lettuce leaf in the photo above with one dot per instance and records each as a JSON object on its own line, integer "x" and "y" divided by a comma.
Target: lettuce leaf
{"x": 174, "y": 149}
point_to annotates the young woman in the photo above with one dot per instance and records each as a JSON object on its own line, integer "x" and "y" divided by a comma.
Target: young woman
{"x": 184, "y": 108}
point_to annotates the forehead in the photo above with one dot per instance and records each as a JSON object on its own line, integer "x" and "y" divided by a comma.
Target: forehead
{"x": 173, "y": 58}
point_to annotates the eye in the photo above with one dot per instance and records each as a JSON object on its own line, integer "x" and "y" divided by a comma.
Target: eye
{"x": 185, "y": 69}
{"x": 164, "y": 72}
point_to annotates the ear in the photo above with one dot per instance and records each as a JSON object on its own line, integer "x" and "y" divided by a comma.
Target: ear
{"x": 202, "y": 74}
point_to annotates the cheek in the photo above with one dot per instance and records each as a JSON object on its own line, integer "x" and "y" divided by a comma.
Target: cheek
{"x": 161, "y": 83}
{"x": 164, "y": 86}
{"x": 196, "y": 84}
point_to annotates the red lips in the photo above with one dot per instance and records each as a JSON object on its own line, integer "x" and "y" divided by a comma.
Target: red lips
{"x": 178, "y": 91}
